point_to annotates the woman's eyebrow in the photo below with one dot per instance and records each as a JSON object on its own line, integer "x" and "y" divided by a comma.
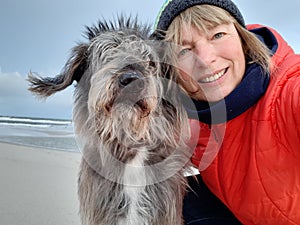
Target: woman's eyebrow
{"x": 186, "y": 42}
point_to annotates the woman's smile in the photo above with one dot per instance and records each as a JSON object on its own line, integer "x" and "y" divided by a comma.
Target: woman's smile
{"x": 214, "y": 77}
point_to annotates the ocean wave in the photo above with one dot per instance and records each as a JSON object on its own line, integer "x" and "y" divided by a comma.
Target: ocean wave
{"x": 29, "y": 121}
{"x": 39, "y": 132}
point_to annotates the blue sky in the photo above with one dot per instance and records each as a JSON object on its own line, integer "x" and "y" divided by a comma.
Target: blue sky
{"x": 37, "y": 35}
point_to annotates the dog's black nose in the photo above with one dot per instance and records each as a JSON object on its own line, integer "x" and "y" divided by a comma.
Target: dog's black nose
{"x": 128, "y": 77}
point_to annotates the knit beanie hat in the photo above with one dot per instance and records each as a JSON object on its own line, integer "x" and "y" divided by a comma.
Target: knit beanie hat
{"x": 173, "y": 8}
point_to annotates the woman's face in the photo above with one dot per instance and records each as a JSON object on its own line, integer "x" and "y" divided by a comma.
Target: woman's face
{"x": 211, "y": 64}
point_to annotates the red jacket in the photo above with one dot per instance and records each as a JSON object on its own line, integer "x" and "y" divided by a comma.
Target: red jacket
{"x": 256, "y": 168}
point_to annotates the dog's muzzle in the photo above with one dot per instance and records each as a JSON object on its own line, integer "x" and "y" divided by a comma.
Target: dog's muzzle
{"x": 135, "y": 90}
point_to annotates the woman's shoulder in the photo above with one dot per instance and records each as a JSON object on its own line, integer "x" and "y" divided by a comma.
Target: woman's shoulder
{"x": 283, "y": 98}
{"x": 281, "y": 49}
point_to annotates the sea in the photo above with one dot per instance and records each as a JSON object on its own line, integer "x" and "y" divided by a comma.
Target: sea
{"x": 56, "y": 134}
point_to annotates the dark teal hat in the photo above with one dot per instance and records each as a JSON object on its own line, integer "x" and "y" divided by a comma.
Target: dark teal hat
{"x": 173, "y": 8}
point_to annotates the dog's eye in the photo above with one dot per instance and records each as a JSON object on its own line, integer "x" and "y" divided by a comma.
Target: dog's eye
{"x": 152, "y": 64}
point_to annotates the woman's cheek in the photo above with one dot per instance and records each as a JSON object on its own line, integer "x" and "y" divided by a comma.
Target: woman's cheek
{"x": 188, "y": 83}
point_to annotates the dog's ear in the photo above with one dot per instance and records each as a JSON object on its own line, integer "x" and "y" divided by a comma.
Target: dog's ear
{"x": 73, "y": 71}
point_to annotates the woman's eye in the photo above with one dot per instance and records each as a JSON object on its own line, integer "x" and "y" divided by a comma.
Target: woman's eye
{"x": 183, "y": 52}
{"x": 218, "y": 35}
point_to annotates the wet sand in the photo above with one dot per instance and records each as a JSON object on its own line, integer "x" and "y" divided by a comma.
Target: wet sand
{"x": 38, "y": 186}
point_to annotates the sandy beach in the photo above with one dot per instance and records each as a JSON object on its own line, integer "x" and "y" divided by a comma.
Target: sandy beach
{"x": 38, "y": 186}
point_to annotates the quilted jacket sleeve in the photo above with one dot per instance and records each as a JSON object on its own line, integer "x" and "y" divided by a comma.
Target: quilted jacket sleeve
{"x": 288, "y": 115}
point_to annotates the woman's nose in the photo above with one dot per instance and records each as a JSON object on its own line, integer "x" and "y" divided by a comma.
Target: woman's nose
{"x": 205, "y": 53}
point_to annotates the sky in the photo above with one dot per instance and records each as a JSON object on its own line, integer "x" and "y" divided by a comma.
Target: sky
{"x": 37, "y": 36}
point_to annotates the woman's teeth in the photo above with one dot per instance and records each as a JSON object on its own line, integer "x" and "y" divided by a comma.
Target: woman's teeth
{"x": 213, "y": 77}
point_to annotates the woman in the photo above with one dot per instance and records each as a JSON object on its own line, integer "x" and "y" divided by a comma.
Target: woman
{"x": 245, "y": 84}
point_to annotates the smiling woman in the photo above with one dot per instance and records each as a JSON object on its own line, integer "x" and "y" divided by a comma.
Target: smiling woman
{"x": 244, "y": 81}
{"x": 215, "y": 61}
{"x": 212, "y": 51}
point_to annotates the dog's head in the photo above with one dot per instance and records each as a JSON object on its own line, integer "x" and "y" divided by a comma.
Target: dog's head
{"x": 125, "y": 92}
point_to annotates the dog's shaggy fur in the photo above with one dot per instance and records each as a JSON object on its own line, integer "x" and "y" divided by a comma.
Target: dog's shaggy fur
{"x": 129, "y": 125}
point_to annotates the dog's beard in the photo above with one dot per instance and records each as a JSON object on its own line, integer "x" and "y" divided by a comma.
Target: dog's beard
{"x": 128, "y": 121}
{"x": 133, "y": 119}
{"x": 128, "y": 110}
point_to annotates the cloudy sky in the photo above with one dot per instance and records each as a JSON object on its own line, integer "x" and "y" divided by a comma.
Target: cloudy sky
{"x": 37, "y": 35}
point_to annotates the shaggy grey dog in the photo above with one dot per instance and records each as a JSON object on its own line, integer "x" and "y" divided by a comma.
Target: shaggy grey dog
{"x": 129, "y": 125}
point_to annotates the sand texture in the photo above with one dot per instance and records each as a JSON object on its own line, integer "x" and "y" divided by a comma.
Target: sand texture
{"x": 38, "y": 186}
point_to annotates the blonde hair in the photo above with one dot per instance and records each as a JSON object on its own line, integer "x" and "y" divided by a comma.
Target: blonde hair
{"x": 205, "y": 17}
